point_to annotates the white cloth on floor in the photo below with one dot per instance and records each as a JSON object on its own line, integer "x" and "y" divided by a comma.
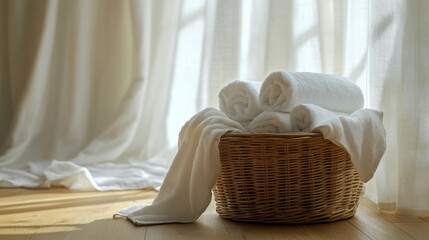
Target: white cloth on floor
{"x": 97, "y": 177}
{"x": 362, "y": 135}
{"x": 282, "y": 91}
{"x": 72, "y": 176}
{"x": 186, "y": 191}
{"x": 240, "y": 100}
{"x": 305, "y": 117}
{"x": 270, "y": 122}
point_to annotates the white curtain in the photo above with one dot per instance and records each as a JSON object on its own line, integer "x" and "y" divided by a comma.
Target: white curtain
{"x": 84, "y": 93}
{"x": 93, "y": 91}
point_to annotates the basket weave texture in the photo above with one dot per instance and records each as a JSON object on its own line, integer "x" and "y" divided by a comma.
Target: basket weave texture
{"x": 285, "y": 178}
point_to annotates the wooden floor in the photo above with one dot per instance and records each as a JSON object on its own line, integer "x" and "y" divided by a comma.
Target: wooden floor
{"x": 63, "y": 214}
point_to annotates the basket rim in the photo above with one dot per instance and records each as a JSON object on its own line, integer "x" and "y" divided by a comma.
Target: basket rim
{"x": 274, "y": 135}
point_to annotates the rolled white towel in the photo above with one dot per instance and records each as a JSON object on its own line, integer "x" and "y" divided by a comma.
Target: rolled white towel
{"x": 282, "y": 91}
{"x": 270, "y": 122}
{"x": 305, "y": 117}
{"x": 239, "y": 100}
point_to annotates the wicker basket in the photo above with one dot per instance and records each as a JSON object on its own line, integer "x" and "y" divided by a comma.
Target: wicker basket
{"x": 285, "y": 178}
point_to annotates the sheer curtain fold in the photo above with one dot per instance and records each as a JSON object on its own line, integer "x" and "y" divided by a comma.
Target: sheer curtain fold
{"x": 413, "y": 153}
{"x": 82, "y": 98}
{"x": 97, "y": 87}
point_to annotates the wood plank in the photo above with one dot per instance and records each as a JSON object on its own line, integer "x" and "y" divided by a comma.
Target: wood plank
{"x": 337, "y": 230}
{"x": 373, "y": 225}
{"x": 64, "y": 214}
{"x": 395, "y": 218}
{"x": 419, "y": 231}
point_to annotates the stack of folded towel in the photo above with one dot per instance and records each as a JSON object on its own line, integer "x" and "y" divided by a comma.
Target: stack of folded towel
{"x": 310, "y": 102}
{"x": 284, "y": 102}
{"x": 290, "y": 101}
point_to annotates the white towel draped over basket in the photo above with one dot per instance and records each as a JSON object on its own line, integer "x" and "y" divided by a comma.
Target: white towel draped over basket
{"x": 186, "y": 191}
